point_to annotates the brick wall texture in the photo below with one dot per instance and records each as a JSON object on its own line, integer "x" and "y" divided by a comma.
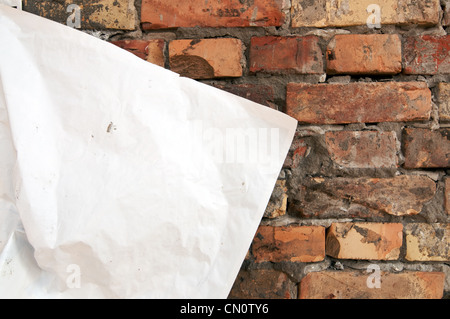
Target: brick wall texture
{"x": 362, "y": 204}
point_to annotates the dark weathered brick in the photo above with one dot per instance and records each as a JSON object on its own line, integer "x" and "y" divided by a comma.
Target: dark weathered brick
{"x": 398, "y": 196}
{"x": 263, "y": 284}
{"x": 424, "y": 148}
{"x": 427, "y": 55}
{"x": 362, "y": 149}
{"x": 358, "y": 102}
{"x": 259, "y": 93}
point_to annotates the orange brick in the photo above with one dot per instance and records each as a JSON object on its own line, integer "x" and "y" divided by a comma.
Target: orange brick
{"x": 364, "y": 54}
{"x": 358, "y": 102}
{"x": 151, "y": 50}
{"x": 290, "y": 243}
{"x": 371, "y": 241}
{"x": 162, "y": 14}
{"x": 286, "y": 55}
{"x": 353, "y": 285}
{"x": 206, "y": 58}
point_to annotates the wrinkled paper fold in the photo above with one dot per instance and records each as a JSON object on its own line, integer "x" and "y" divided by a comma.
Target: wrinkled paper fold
{"x": 120, "y": 179}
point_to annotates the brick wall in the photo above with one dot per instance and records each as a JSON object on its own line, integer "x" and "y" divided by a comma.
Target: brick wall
{"x": 362, "y": 205}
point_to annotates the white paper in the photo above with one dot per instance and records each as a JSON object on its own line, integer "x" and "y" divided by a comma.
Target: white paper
{"x": 120, "y": 179}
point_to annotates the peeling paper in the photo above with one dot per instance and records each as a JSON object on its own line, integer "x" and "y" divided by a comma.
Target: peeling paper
{"x": 120, "y": 179}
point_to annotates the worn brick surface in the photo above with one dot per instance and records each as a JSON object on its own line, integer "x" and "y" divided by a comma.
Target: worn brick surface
{"x": 278, "y": 201}
{"x": 364, "y": 54}
{"x": 447, "y": 194}
{"x": 286, "y": 54}
{"x": 427, "y": 242}
{"x": 162, "y": 14}
{"x": 311, "y": 201}
{"x": 362, "y": 149}
{"x": 427, "y": 55}
{"x": 353, "y": 285}
{"x": 398, "y": 196}
{"x": 289, "y": 243}
{"x": 263, "y": 284}
{"x": 151, "y": 50}
{"x": 206, "y": 58}
{"x": 330, "y": 13}
{"x": 446, "y": 18}
{"x": 443, "y": 100}
{"x": 298, "y": 151}
{"x": 371, "y": 241}
{"x": 259, "y": 93}
{"x": 358, "y": 102}
{"x": 99, "y": 14}
{"x": 426, "y": 148}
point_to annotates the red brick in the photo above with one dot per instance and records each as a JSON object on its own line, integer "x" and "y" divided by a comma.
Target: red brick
{"x": 358, "y": 102}
{"x": 259, "y": 93}
{"x": 263, "y": 284}
{"x": 427, "y": 55}
{"x": 291, "y": 243}
{"x": 151, "y": 50}
{"x": 398, "y": 196}
{"x": 366, "y": 149}
{"x": 162, "y": 14}
{"x": 206, "y": 58}
{"x": 286, "y": 55}
{"x": 353, "y": 285}
{"x": 424, "y": 148}
{"x": 370, "y": 241}
{"x": 364, "y": 54}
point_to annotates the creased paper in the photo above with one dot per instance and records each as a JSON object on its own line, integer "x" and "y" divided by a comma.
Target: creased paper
{"x": 120, "y": 179}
